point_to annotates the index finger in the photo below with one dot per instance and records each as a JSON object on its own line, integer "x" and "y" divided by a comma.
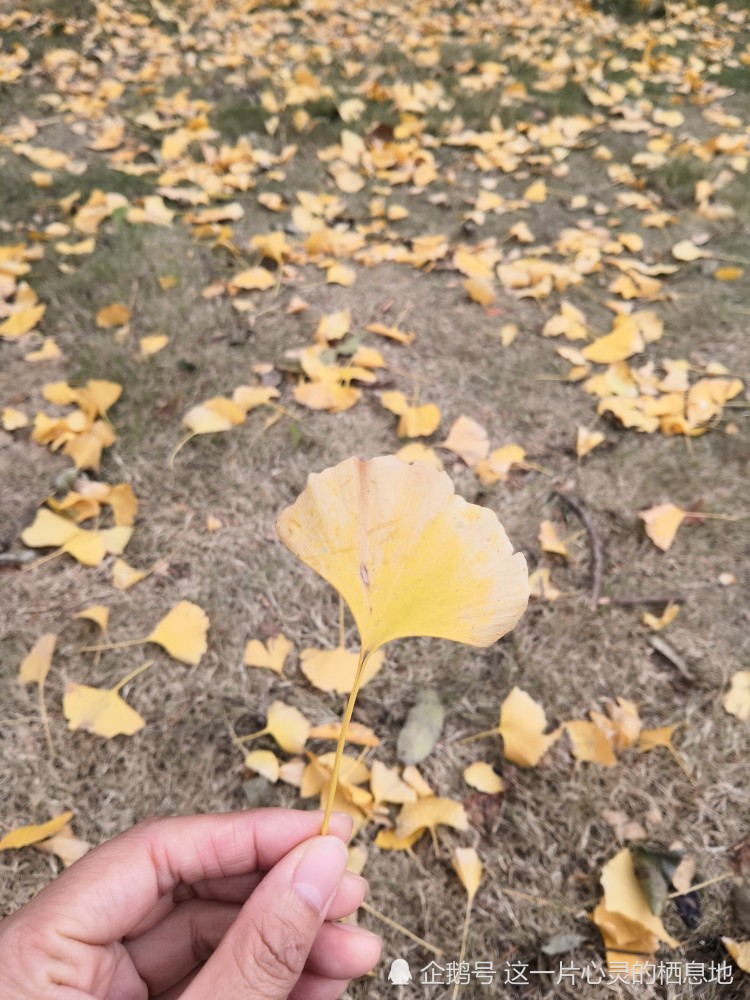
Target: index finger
{"x": 103, "y": 896}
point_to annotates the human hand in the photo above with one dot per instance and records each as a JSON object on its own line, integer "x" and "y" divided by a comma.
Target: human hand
{"x": 235, "y": 906}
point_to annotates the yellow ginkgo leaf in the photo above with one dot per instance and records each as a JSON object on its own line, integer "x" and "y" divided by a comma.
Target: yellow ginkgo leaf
{"x": 419, "y": 421}
{"x": 254, "y": 279}
{"x": 484, "y": 778}
{"x": 49, "y": 530}
{"x": 666, "y": 618}
{"x": 387, "y": 785}
{"x": 426, "y": 814}
{"x": 13, "y": 419}
{"x": 116, "y": 314}
{"x": 36, "y": 664}
{"x": 624, "y": 340}
{"x": 333, "y": 326}
{"x": 550, "y": 541}
{"x": 623, "y": 895}
{"x": 336, "y": 669}
{"x": 47, "y": 352}
{"x": 630, "y": 947}
{"x": 272, "y": 655}
{"x": 468, "y": 867}
{"x": 265, "y": 763}
{"x": 391, "y": 332}
{"x": 21, "y": 322}
{"x": 100, "y": 711}
{"x": 469, "y": 440}
{"x": 590, "y": 743}
{"x": 650, "y": 739}
{"x": 218, "y": 414}
{"x": 27, "y": 835}
{"x": 408, "y": 556}
{"x": 737, "y": 699}
{"x": 661, "y": 523}
{"x": 537, "y": 192}
{"x": 355, "y": 733}
{"x": 152, "y": 344}
{"x": 522, "y": 725}
{"x": 739, "y": 950}
{"x": 182, "y": 632}
{"x": 65, "y": 845}
{"x": 96, "y": 613}
{"x": 124, "y": 575}
{"x": 541, "y": 586}
{"x": 414, "y": 779}
{"x": 497, "y": 465}
{"x": 288, "y": 726}
{"x": 388, "y": 840}
{"x": 587, "y": 440}
{"x": 249, "y": 397}
{"x": 687, "y": 251}
{"x": 480, "y": 290}
{"x": 340, "y": 274}
{"x": 415, "y": 451}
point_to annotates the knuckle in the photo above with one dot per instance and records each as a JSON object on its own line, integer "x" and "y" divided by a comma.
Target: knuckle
{"x": 276, "y": 953}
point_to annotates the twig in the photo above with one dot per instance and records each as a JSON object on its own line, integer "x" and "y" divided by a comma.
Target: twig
{"x": 597, "y": 558}
{"x": 629, "y": 602}
{"x": 399, "y": 927}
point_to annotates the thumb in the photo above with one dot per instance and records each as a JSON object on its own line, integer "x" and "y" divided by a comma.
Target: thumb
{"x": 264, "y": 952}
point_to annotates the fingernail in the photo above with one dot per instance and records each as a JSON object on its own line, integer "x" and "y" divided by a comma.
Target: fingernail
{"x": 318, "y": 873}
{"x": 357, "y": 880}
{"x": 356, "y": 929}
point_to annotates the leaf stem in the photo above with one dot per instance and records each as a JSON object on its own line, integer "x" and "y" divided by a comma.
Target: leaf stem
{"x": 252, "y": 736}
{"x": 114, "y": 645}
{"x": 477, "y": 736}
{"x": 363, "y": 657}
{"x": 45, "y": 719}
{"x": 701, "y": 885}
{"x": 132, "y": 674}
{"x": 464, "y": 939}
{"x": 400, "y": 927}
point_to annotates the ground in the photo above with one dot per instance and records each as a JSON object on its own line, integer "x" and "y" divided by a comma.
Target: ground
{"x": 544, "y": 841}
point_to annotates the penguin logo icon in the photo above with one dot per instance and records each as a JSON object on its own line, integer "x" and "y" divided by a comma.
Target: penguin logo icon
{"x": 400, "y": 973}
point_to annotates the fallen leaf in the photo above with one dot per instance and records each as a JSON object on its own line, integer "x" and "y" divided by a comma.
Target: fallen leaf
{"x": 739, "y": 950}
{"x": 550, "y": 541}
{"x": 24, "y": 836}
{"x": 427, "y": 814}
{"x": 469, "y": 440}
{"x": 271, "y": 656}
{"x": 522, "y": 725}
{"x": 484, "y": 778}
{"x": 265, "y": 763}
{"x": 661, "y": 523}
{"x": 36, "y": 664}
{"x": 468, "y": 867}
{"x": 623, "y": 895}
{"x": 116, "y": 314}
{"x": 66, "y": 846}
{"x": 737, "y": 699}
{"x": 421, "y": 731}
{"x": 666, "y": 618}
{"x": 288, "y": 726}
{"x": 182, "y": 632}
{"x": 386, "y": 785}
{"x": 336, "y": 669}
{"x": 589, "y": 743}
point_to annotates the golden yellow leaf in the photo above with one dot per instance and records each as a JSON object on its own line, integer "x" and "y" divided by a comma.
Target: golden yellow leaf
{"x": 152, "y": 344}
{"x": 24, "y": 836}
{"x": 737, "y": 699}
{"x": 22, "y": 322}
{"x": 116, "y": 314}
{"x": 480, "y": 290}
{"x": 124, "y": 504}
{"x": 468, "y": 867}
{"x": 334, "y": 326}
{"x": 484, "y": 778}
{"x": 391, "y": 332}
{"x": 497, "y": 465}
{"x": 217, "y": 414}
{"x": 388, "y": 840}
{"x": 469, "y": 440}
{"x": 728, "y": 273}
{"x": 248, "y": 397}
{"x": 590, "y": 743}
{"x": 623, "y": 895}
{"x": 36, "y": 664}
{"x": 265, "y": 763}
{"x": 154, "y": 212}
{"x": 661, "y": 523}
{"x": 355, "y": 733}
{"x": 182, "y": 632}
{"x": 124, "y": 576}
{"x": 340, "y": 274}
{"x": 271, "y": 656}
{"x": 288, "y": 726}
{"x": 255, "y": 279}
{"x": 428, "y": 813}
{"x": 66, "y": 846}
{"x": 537, "y": 192}
{"x": 666, "y": 618}
{"x": 550, "y": 540}
{"x": 415, "y": 451}
{"x": 624, "y": 340}
{"x": 408, "y": 556}
{"x": 100, "y": 711}
{"x": 49, "y": 351}
{"x": 687, "y": 251}
{"x": 13, "y": 419}
{"x": 109, "y": 138}
{"x": 78, "y": 249}
{"x": 630, "y": 947}
{"x": 740, "y": 952}
{"x": 96, "y": 613}
{"x": 167, "y": 281}
{"x": 522, "y": 725}
{"x": 649, "y": 739}
{"x": 414, "y": 779}
{"x": 336, "y": 669}
{"x": 326, "y": 396}
{"x": 541, "y": 586}
{"x": 587, "y": 440}
{"x": 386, "y": 785}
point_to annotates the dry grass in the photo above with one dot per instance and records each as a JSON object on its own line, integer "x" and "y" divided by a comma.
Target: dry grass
{"x": 545, "y": 837}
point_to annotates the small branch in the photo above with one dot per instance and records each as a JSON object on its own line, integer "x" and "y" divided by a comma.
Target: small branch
{"x": 597, "y": 557}
{"x": 701, "y": 885}
{"x": 399, "y": 927}
{"x": 628, "y": 601}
